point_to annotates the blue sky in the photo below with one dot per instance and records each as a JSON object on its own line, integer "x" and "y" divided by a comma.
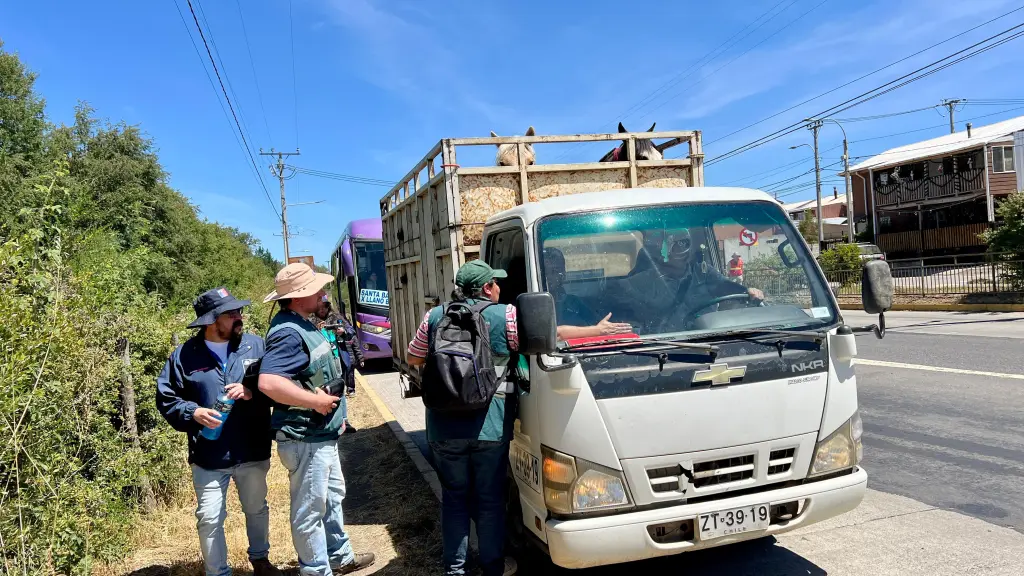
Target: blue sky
{"x": 378, "y": 82}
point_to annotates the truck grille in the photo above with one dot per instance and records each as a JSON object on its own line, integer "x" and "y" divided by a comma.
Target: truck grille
{"x": 724, "y": 471}
{"x": 780, "y": 461}
{"x": 665, "y": 479}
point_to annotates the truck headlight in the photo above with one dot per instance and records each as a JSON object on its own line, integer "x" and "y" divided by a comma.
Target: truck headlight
{"x": 577, "y": 485}
{"x": 842, "y": 449}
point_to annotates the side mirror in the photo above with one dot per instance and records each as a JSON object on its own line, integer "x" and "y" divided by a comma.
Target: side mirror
{"x": 876, "y": 292}
{"x": 876, "y": 287}
{"x": 537, "y": 329}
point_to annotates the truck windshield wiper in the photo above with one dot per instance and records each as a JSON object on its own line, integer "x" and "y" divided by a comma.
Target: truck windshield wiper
{"x": 751, "y": 334}
{"x": 649, "y": 346}
{"x": 637, "y": 347}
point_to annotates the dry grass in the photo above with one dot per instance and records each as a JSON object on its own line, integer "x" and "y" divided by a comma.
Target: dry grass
{"x": 389, "y": 510}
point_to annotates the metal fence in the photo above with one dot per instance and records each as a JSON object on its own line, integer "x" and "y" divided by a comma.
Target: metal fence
{"x": 945, "y": 275}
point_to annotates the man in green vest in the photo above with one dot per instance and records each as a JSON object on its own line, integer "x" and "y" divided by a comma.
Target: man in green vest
{"x": 297, "y": 369}
{"x": 471, "y": 452}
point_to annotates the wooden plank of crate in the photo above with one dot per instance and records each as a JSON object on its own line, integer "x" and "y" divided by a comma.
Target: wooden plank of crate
{"x": 577, "y": 167}
{"x": 632, "y": 161}
{"x": 491, "y": 141}
{"x": 450, "y": 165}
{"x": 524, "y": 190}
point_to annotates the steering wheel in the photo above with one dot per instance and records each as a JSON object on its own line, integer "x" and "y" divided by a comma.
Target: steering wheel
{"x": 692, "y": 314}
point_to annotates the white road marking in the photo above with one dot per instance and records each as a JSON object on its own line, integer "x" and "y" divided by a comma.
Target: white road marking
{"x": 884, "y": 364}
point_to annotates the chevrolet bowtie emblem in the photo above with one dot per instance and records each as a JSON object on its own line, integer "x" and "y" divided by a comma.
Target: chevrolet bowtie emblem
{"x": 719, "y": 374}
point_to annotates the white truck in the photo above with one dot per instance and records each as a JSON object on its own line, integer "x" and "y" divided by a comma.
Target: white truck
{"x": 730, "y": 411}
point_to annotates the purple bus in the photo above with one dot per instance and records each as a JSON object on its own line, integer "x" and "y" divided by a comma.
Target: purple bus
{"x": 361, "y": 283}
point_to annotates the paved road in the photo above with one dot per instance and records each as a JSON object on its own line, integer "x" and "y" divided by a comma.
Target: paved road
{"x": 950, "y": 440}
{"x": 944, "y": 450}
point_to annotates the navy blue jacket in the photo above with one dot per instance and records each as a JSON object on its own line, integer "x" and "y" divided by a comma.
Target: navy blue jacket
{"x": 192, "y": 378}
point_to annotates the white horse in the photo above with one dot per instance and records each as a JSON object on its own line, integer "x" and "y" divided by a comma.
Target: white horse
{"x": 507, "y": 155}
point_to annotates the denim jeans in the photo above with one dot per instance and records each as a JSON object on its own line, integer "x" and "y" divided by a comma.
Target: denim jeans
{"x": 317, "y": 490}
{"x": 473, "y": 476}
{"x": 211, "y": 491}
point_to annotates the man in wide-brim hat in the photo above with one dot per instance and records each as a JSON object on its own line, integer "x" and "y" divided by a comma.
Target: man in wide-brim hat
{"x": 211, "y": 363}
{"x": 297, "y": 369}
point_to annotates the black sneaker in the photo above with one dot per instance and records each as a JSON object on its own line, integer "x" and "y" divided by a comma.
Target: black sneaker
{"x": 361, "y": 561}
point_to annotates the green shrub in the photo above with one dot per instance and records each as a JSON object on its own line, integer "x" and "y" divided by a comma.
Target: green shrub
{"x": 1007, "y": 239}
{"x": 95, "y": 248}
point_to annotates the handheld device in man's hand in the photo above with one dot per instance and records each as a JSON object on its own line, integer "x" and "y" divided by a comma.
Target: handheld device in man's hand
{"x": 335, "y": 387}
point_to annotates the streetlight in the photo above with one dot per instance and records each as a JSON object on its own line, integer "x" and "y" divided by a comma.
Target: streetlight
{"x": 846, "y": 178}
{"x": 817, "y": 183}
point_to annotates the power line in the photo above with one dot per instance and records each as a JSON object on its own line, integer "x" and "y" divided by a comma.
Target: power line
{"x": 248, "y": 151}
{"x": 744, "y": 53}
{"x": 664, "y": 87}
{"x": 888, "y": 87}
{"x": 343, "y": 177}
{"x": 223, "y": 67}
{"x": 889, "y": 115}
{"x": 295, "y": 91}
{"x": 855, "y": 80}
{"x": 252, "y": 64}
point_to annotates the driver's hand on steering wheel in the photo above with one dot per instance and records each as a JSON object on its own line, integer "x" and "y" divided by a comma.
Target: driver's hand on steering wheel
{"x": 608, "y": 328}
{"x": 755, "y": 293}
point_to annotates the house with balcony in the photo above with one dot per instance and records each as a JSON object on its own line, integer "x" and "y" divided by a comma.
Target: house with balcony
{"x": 933, "y": 198}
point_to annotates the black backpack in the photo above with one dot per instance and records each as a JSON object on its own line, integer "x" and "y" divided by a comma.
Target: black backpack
{"x": 460, "y": 376}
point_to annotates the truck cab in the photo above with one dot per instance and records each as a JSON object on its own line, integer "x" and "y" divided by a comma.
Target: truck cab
{"x": 729, "y": 410}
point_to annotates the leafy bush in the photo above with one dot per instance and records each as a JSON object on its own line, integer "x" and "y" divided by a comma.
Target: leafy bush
{"x": 1007, "y": 239}
{"x": 95, "y": 249}
{"x": 841, "y": 264}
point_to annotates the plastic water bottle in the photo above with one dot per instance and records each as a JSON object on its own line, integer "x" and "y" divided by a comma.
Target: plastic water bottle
{"x": 223, "y": 405}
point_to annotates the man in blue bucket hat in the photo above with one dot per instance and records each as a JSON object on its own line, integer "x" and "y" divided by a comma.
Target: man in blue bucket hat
{"x": 211, "y": 363}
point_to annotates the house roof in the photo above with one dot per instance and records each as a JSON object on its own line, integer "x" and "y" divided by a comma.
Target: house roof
{"x": 943, "y": 145}
{"x": 813, "y": 203}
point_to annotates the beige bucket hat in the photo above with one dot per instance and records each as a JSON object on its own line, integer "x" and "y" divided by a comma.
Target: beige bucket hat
{"x": 297, "y": 280}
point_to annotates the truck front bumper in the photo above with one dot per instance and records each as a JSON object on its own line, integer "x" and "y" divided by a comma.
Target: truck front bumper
{"x": 599, "y": 541}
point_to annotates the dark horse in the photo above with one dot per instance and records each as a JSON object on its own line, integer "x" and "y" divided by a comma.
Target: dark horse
{"x": 645, "y": 149}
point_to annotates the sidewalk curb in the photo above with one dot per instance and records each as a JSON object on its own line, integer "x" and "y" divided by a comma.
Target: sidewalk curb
{"x": 424, "y": 467}
{"x": 943, "y": 307}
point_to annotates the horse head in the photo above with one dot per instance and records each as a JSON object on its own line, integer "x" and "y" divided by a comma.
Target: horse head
{"x": 507, "y": 155}
{"x": 645, "y": 149}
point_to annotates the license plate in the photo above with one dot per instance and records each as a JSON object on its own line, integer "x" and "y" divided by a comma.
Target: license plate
{"x": 526, "y": 467}
{"x": 734, "y": 521}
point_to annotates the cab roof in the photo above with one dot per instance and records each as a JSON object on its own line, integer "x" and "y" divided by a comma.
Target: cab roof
{"x": 626, "y": 198}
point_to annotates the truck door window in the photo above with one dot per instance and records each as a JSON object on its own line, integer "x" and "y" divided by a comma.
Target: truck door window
{"x": 506, "y": 250}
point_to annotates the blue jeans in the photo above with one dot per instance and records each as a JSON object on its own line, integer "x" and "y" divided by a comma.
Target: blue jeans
{"x": 317, "y": 490}
{"x": 211, "y": 491}
{"x": 473, "y": 476}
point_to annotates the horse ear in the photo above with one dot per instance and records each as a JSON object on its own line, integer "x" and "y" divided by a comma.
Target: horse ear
{"x": 529, "y": 131}
{"x": 651, "y": 129}
{"x": 493, "y": 135}
{"x": 622, "y": 128}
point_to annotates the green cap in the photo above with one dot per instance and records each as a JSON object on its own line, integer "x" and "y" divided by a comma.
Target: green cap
{"x": 475, "y": 275}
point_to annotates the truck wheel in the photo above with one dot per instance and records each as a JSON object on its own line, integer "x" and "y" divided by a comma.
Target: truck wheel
{"x": 515, "y": 531}
{"x": 520, "y": 544}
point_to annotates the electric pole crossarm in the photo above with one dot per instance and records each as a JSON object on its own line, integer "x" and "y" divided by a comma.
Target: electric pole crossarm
{"x": 278, "y": 171}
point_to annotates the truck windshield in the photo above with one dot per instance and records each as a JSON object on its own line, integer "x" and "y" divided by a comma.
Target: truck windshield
{"x": 683, "y": 270}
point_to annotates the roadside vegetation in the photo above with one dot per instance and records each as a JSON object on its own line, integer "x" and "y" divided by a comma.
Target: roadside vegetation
{"x": 99, "y": 261}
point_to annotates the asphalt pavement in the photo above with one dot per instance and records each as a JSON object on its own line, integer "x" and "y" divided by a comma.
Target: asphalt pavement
{"x": 942, "y": 399}
{"x": 953, "y": 440}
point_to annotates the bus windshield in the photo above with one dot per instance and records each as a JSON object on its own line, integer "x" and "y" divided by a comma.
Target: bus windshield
{"x": 370, "y": 274}
{"x": 683, "y": 270}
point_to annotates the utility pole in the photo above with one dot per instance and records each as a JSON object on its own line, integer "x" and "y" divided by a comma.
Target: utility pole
{"x": 814, "y": 127}
{"x": 951, "y": 104}
{"x": 278, "y": 171}
{"x": 849, "y": 190}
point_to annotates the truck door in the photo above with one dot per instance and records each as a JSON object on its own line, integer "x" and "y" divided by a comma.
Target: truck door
{"x": 505, "y": 249}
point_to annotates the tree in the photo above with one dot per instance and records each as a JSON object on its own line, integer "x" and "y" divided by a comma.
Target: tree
{"x": 809, "y": 228}
{"x": 96, "y": 250}
{"x": 1007, "y": 239}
